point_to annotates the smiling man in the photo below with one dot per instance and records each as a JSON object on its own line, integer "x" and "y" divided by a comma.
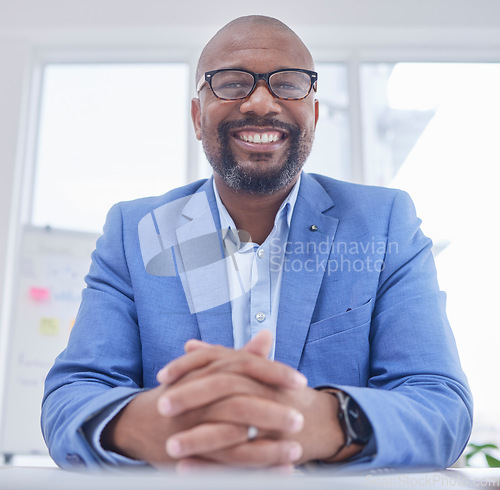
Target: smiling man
{"x": 263, "y": 317}
{"x": 256, "y": 144}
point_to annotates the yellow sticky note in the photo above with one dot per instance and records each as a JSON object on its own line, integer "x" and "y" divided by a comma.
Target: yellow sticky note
{"x": 48, "y": 326}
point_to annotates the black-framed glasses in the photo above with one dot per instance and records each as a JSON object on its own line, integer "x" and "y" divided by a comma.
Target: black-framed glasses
{"x": 286, "y": 84}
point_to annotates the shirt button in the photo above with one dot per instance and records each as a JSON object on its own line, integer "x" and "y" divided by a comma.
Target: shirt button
{"x": 260, "y": 317}
{"x": 260, "y": 253}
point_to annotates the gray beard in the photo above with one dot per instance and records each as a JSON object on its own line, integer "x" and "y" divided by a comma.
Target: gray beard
{"x": 238, "y": 179}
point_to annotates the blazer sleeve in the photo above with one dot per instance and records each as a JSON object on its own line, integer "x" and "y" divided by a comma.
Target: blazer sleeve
{"x": 102, "y": 363}
{"x": 417, "y": 399}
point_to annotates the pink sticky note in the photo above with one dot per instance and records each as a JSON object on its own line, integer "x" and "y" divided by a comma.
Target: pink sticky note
{"x": 40, "y": 294}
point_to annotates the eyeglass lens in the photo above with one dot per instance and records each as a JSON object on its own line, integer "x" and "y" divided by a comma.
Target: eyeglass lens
{"x": 234, "y": 84}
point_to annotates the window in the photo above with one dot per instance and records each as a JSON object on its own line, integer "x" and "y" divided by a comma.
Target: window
{"x": 432, "y": 129}
{"x": 108, "y": 132}
{"x": 111, "y": 132}
{"x": 331, "y": 150}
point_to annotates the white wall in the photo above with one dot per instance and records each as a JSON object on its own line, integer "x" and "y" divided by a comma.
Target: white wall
{"x": 13, "y": 60}
{"x": 334, "y": 29}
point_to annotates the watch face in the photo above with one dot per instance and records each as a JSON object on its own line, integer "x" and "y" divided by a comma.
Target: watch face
{"x": 360, "y": 425}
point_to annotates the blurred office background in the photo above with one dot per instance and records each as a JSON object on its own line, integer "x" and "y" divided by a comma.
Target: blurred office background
{"x": 94, "y": 109}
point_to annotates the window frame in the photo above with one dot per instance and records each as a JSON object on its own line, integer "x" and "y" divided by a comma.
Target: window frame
{"x": 44, "y": 58}
{"x": 353, "y": 57}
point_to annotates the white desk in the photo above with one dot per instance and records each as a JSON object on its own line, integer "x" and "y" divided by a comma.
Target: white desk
{"x": 17, "y": 478}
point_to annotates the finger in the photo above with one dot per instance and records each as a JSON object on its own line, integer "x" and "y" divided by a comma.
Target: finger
{"x": 266, "y": 415}
{"x": 194, "y": 344}
{"x": 226, "y": 423}
{"x": 261, "y": 453}
{"x": 189, "y": 362}
{"x": 205, "y": 438}
{"x": 204, "y": 391}
{"x": 257, "y": 368}
{"x": 209, "y": 389}
{"x": 261, "y": 344}
{"x": 204, "y": 362}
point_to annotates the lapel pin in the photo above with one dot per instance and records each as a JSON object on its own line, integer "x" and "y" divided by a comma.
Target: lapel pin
{"x": 313, "y": 228}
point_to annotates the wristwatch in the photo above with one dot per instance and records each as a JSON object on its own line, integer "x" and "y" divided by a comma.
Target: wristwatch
{"x": 357, "y": 428}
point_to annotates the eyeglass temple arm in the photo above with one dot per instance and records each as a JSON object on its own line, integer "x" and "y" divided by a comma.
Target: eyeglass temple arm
{"x": 200, "y": 84}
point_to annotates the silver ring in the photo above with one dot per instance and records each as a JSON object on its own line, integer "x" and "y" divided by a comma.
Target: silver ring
{"x": 252, "y": 432}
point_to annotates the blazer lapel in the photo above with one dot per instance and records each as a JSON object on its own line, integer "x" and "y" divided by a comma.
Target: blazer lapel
{"x": 202, "y": 268}
{"x": 310, "y": 241}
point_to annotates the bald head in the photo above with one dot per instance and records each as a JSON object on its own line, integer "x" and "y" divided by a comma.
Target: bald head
{"x": 236, "y": 33}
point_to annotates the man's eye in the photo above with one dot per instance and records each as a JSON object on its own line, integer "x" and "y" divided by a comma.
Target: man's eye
{"x": 231, "y": 85}
{"x": 288, "y": 86}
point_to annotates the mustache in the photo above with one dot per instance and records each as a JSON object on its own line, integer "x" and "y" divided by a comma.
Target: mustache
{"x": 228, "y": 126}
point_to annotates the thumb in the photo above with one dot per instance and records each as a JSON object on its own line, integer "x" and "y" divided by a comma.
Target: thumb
{"x": 260, "y": 344}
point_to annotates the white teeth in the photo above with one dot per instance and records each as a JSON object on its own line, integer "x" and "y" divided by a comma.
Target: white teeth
{"x": 260, "y": 138}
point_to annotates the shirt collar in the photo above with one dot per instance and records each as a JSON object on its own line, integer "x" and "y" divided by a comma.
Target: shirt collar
{"x": 227, "y": 223}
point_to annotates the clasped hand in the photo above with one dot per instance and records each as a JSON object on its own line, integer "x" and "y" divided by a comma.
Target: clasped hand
{"x": 208, "y": 398}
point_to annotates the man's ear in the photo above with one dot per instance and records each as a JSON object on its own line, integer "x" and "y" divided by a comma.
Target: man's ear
{"x": 196, "y": 116}
{"x": 316, "y": 112}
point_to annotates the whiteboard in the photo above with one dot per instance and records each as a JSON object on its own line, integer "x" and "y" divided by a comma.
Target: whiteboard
{"x": 48, "y": 282}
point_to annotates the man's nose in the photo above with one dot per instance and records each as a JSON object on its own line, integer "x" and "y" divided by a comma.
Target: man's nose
{"x": 261, "y": 101}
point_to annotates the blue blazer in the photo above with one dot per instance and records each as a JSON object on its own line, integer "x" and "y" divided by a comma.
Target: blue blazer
{"x": 360, "y": 309}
